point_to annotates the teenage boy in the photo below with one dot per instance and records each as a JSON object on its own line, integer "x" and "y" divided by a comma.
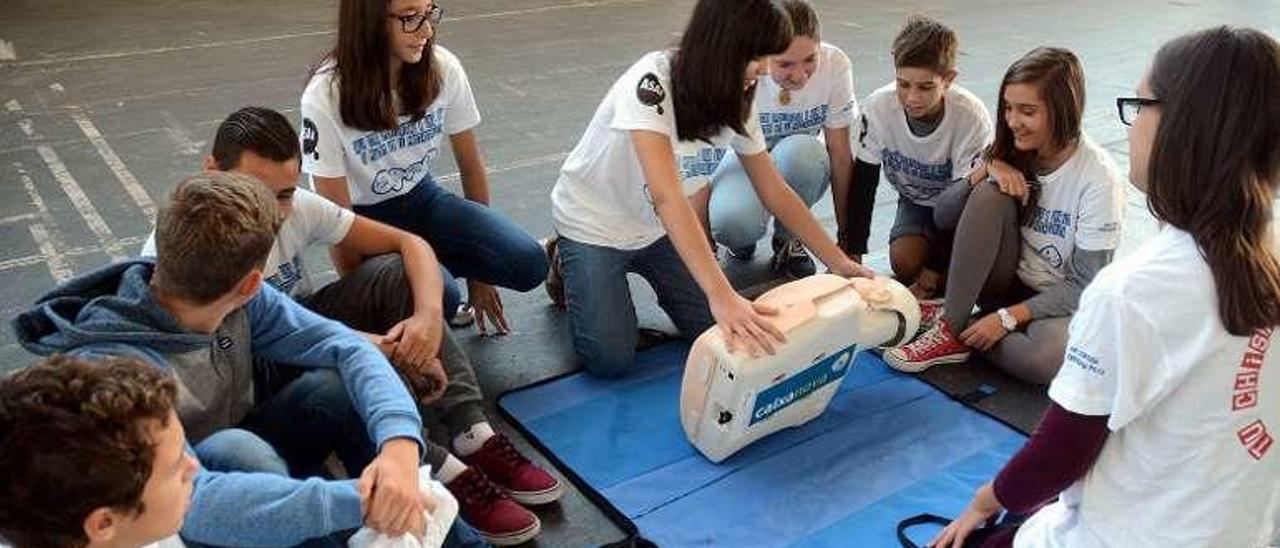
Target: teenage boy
{"x": 92, "y": 455}
{"x": 925, "y": 133}
{"x": 395, "y": 290}
{"x": 202, "y": 311}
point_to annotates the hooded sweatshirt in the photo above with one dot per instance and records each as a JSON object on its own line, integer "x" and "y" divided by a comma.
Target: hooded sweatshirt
{"x": 112, "y": 311}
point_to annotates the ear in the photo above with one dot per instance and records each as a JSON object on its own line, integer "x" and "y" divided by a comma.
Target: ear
{"x": 249, "y": 284}
{"x": 950, "y": 77}
{"x": 210, "y": 164}
{"x": 100, "y": 526}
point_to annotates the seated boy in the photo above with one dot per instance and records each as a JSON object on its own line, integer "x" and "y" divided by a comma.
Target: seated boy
{"x": 202, "y": 311}
{"x": 393, "y": 295}
{"x": 925, "y": 133}
{"x": 92, "y": 455}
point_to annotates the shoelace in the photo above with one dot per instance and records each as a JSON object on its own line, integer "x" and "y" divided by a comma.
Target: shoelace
{"x": 931, "y": 339}
{"x": 477, "y": 490}
{"x": 508, "y": 453}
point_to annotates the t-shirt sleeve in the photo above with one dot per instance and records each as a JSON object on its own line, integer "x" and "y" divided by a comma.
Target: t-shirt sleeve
{"x": 321, "y": 133}
{"x": 326, "y": 222}
{"x": 975, "y": 142}
{"x": 1112, "y": 363}
{"x": 641, "y": 101}
{"x": 1101, "y": 210}
{"x": 868, "y": 138}
{"x": 463, "y": 113}
{"x": 843, "y": 105}
{"x": 753, "y": 142}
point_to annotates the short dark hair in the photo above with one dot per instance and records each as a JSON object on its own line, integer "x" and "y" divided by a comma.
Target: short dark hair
{"x": 76, "y": 435}
{"x": 804, "y": 20}
{"x": 722, "y": 37}
{"x": 925, "y": 43}
{"x": 1215, "y": 162}
{"x": 216, "y": 228}
{"x": 362, "y": 63}
{"x": 1059, "y": 79}
{"x": 259, "y": 130}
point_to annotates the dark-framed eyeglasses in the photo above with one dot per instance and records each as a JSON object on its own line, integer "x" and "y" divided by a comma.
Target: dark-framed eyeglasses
{"x": 413, "y": 23}
{"x": 1129, "y": 107}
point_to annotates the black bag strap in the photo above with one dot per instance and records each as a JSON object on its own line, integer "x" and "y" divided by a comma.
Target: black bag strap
{"x": 922, "y": 519}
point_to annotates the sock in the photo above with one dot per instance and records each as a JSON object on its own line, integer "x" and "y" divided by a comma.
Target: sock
{"x": 451, "y": 469}
{"x": 472, "y": 439}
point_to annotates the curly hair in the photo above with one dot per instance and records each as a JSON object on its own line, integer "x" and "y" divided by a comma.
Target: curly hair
{"x": 76, "y": 435}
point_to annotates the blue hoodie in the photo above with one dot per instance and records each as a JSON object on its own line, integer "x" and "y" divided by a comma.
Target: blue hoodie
{"x": 112, "y": 311}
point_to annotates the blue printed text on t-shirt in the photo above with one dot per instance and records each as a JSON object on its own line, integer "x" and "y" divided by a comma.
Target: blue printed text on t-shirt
{"x": 701, "y": 164}
{"x": 777, "y": 125}
{"x": 372, "y": 147}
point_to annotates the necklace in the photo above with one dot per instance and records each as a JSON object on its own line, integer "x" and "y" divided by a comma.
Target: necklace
{"x": 784, "y": 97}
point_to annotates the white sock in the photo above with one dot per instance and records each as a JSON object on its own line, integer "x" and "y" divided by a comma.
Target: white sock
{"x": 473, "y": 439}
{"x": 451, "y": 469}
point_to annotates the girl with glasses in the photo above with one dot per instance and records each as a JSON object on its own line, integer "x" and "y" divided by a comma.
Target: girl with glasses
{"x": 1163, "y": 418}
{"x": 622, "y": 203}
{"x": 376, "y": 112}
{"x": 1029, "y": 237}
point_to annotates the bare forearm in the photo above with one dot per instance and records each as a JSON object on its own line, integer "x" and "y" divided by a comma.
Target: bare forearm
{"x": 422, "y": 270}
{"x": 841, "y": 181}
{"x": 686, "y": 236}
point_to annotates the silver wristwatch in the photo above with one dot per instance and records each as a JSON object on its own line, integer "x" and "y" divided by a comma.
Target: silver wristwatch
{"x": 1006, "y": 320}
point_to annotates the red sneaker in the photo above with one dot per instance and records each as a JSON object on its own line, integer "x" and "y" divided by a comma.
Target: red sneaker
{"x": 936, "y": 346}
{"x": 523, "y": 480}
{"x": 494, "y": 516}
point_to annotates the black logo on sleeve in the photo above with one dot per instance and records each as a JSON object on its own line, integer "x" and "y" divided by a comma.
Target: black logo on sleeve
{"x": 650, "y": 91}
{"x": 310, "y": 138}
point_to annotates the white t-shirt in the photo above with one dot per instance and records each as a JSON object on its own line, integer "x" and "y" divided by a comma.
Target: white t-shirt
{"x": 383, "y": 164}
{"x": 313, "y": 221}
{"x": 1190, "y": 461}
{"x": 1081, "y": 204}
{"x": 922, "y": 167}
{"x": 825, "y": 101}
{"x": 602, "y": 197}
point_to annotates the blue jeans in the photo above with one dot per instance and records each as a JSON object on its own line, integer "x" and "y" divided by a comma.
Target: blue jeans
{"x": 302, "y": 416}
{"x": 738, "y": 218}
{"x": 602, "y": 318}
{"x": 472, "y": 241}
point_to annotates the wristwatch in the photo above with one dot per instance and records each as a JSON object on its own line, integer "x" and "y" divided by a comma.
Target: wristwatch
{"x": 1006, "y": 319}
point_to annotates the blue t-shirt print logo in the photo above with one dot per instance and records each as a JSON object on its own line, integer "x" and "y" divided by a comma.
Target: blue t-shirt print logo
{"x": 396, "y": 179}
{"x": 1051, "y": 255}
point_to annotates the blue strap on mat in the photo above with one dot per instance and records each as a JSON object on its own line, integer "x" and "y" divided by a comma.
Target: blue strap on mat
{"x": 888, "y": 447}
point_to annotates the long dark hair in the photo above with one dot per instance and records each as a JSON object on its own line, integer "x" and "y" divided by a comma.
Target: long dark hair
{"x": 1058, "y": 76}
{"x": 1216, "y": 160}
{"x": 722, "y": 37}
{"x": 362, "y": 59}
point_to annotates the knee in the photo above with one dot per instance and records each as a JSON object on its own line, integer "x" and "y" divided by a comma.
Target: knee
{"x": 528, "y": 265}
{"x": 604, "y": 358}
{"x": 237, "y": 450}
{"x": 986, "y": 197}
{"x": 803, "y": 162}
{"x": 737, "y": 227}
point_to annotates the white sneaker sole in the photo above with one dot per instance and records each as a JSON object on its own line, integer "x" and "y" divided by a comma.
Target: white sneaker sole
{"x": 892, "y": 359}
{"x": 535, "y": 498}
{"x": 512, "y": 539}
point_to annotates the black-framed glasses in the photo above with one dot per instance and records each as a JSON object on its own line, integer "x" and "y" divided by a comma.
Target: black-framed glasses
{"x": 1129, "y": 107}
{"x": 413, "y": 23}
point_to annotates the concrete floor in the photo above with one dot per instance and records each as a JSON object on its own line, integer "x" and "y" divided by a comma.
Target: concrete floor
{"x": 108, "y": 104}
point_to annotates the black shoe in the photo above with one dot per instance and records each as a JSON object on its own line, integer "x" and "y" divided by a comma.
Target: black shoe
{"x": 555, "y": 283}
{"x": 790, "y": 259}
{"x": 743, "y": 253}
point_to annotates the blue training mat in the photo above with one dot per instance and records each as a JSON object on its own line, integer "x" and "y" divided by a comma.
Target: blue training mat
{"x": 888, "y": 447}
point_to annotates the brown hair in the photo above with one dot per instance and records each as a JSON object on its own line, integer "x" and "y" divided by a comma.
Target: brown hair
{"x": 76, "y": 435}
{"x": 1059, "y": 79}
{"x": 362, "y": 61}
{"x": 217, "y": 227}
{"x": 804, "y": 21}
{"x": 925, "y": 43}
{"x": 1215, "y": 162}
{"x": 721, "y": 39}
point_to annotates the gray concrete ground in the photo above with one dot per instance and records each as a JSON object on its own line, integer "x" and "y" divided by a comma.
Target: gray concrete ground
{"x": 108, "y": 104}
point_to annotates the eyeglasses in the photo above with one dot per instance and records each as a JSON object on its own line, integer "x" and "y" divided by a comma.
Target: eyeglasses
{"x": 1129, "y": 107}
{"x": 412, "y": 23}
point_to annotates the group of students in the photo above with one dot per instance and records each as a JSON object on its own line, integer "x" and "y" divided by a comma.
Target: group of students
{"x": 188, "y": 385}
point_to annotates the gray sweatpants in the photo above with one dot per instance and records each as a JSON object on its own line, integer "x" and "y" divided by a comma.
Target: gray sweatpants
{"x": 375, "y": 297}
{"x": 984, "y": 266}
